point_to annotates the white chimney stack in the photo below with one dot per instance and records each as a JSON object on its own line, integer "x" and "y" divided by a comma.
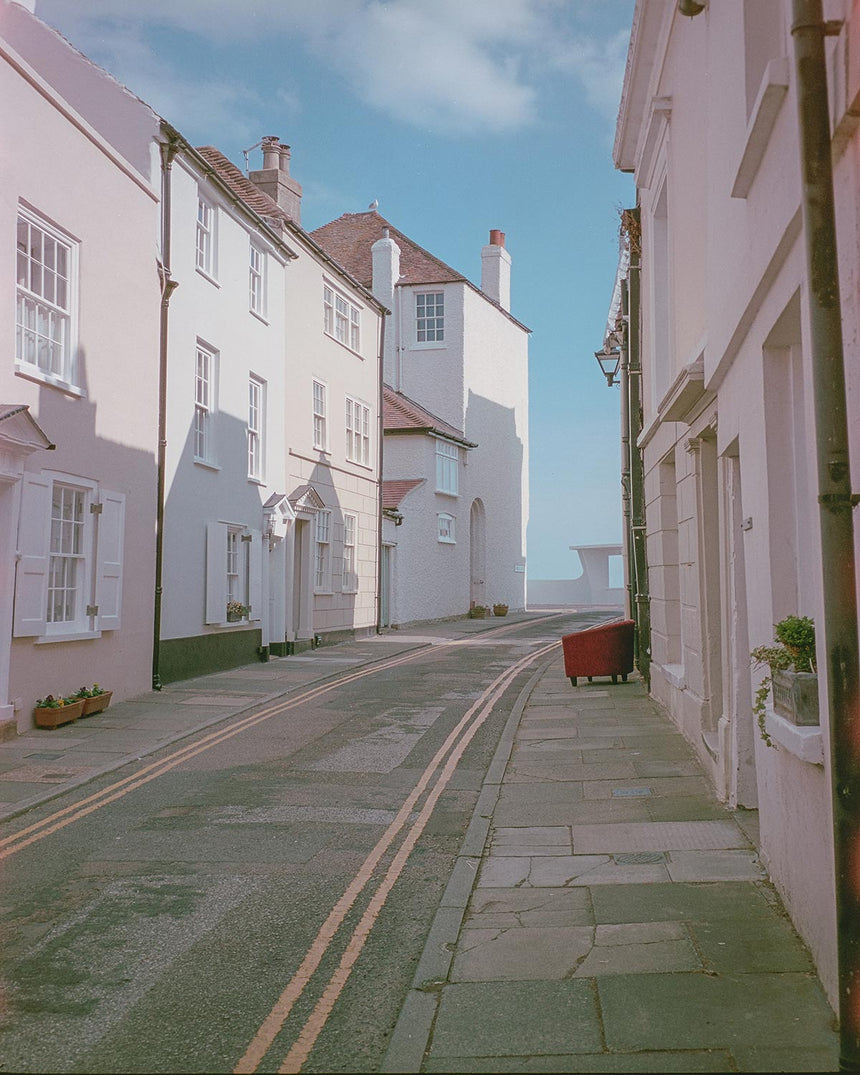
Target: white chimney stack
{"x": 496, "y": 270}
{"x": 385, "y": 255}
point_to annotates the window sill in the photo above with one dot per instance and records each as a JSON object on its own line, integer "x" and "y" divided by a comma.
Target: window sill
{"x": 447, "y": 492}
{"x": 206, "y": 276}
{"x": 323, "y": 593}
{"x": 256, "y": 481}
{"x": 803, "y": 741}
{"x": 206, "y": 465}
{"x": 33, "y": 373}
{"x": 78, "y": 636}
{"x": 259, "y": 316}
{"x": 345, "y": 346}
{"x": 445, "y": 541}
{"x": 364, "y": 466}
{"x": 431, "y": 345}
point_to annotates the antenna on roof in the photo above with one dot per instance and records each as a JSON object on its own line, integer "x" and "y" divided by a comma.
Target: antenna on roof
{"x": 245, "y": 153}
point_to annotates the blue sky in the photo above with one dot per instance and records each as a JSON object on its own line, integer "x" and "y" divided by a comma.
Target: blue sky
{"x": 457, "y": 115}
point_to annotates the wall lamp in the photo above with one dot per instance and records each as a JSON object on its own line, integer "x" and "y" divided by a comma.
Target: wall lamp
{"x": 690, "y": 8}
{"x": 609, "y": 361}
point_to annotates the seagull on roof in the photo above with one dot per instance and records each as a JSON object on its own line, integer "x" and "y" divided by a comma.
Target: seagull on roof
{"x": 374, "y": 204}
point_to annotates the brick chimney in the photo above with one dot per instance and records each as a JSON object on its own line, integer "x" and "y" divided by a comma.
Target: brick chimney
{"x": 275, "y": 180}
{"x": 496, "y": 270}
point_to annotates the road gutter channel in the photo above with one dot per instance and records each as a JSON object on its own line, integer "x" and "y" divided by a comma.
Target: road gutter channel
{"x": 414, "y": 1025}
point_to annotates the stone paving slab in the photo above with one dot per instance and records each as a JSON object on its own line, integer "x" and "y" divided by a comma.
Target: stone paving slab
{"x": 658, "y": 836}
{"x": 715, "y": 866}
{"x": 523, "y": 953}
{"x": 515, "y": 1018}
{"x": 682, "y": 1061}
{"x": 700, "y": 1011}
{"x": 508, "y": 907}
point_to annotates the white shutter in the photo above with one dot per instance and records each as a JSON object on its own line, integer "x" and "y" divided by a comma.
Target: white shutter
{"x": 34, "y": 541}
{"x": 255, "y": 576}
{"x": 109, "y": 550}
{"x": 216, "y": 572}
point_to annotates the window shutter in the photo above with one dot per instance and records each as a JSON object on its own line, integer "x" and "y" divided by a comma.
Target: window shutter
{"x": 111, "y": 534}
{"x": 255, "y": 576}
{"x": 216, "y": 572}
{"x": 34, "y": 539}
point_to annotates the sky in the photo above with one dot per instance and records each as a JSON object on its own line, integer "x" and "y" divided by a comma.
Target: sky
{"x": 458, "y": 116}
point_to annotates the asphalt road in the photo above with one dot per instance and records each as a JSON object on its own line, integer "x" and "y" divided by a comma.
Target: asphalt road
{"x": 194, "y": 922}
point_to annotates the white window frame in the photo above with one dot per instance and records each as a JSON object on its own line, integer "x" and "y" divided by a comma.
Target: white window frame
{"x": 46, "y": 302}
{"x": 322, "y": 552}
{"x": 357, "y": 432}
{"x": 430, "y": 318}
{"x": 205, "y": 383}
{"x": 234, "y": 572}
{"x": 447, "y": 468}
{"x": 341, "y": 318}
{"x": 320, "y": 415}
{"x": 257, "y": 281}
{"x": 446, "y": 528}
{"x": 97, "y": 551}
{"x": 256, "y": 428}
{"x": 207, "y": 237}
{"x": 350, "y": 553}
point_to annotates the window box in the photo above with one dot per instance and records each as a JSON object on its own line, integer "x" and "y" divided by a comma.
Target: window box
{"x": 795, "y": 696}
{"x": 96, "y": 703}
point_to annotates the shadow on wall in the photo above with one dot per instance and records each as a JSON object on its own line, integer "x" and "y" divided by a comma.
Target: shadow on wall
{"x": 120, "y": 656}
{"x": 494, "y": 475}
{"x": 600, "y": 582}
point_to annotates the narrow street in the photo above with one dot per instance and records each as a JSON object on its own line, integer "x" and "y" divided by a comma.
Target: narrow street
{"x": 258, "y": 892}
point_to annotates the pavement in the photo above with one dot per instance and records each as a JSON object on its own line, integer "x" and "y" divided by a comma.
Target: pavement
{"x": 605, "y": 913}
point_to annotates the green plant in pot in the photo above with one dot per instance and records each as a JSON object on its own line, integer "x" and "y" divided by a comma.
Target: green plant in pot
{"x": 792, "y": 674}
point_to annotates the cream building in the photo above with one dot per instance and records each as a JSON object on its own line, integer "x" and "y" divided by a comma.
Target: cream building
{"x": 456, "y": 422}
{"x": 719, "y": 312}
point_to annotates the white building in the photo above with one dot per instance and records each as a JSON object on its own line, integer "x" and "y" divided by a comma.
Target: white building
{"x": 456, "y": 422}
{"x": 709, "y": 126}
{"x": 79, "y": 317}
{"x": 272, "y": 496}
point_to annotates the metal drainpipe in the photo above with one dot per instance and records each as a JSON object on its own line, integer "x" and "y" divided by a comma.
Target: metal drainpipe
{"x": 625, "y": 443}
{"x": 637, "y": 480}
{"x": 380, "y": 435}
{"x": 836, "y": 501}
{"x": 168, "y": 152}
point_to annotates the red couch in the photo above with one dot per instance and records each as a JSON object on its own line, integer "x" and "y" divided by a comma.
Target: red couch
{"x": 605, "y": 650}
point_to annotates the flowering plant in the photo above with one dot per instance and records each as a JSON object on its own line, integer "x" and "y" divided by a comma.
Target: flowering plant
{"x": 50, "y": 702}
{"x": 89, "y": 692}
{"x": 236, "y": 608}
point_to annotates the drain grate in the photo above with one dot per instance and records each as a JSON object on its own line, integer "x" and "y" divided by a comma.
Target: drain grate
{"x": 639, "y": 858}
{"x": 631, "y": 793}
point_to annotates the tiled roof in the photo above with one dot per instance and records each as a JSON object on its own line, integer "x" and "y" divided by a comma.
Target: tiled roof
{"x": 395, "y": 489}
{"x": 349, "y": 239}
{"x": 403, "y": 415}
{"x": 249, "y": 192}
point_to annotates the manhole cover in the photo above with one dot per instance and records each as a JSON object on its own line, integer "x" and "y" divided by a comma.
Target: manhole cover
{"x": 50, "y": 774}
{"x": 638, "y": 858}
{"x": 630, "y": 793}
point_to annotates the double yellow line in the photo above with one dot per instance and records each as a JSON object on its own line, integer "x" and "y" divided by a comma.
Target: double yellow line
{"x": 448, "y": 756}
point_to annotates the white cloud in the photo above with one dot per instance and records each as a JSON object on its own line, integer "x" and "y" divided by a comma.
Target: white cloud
{"x": 455, "y": 66}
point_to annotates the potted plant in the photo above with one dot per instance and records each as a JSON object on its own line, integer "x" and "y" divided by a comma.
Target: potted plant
{"x": 236, "y": 611}
{"x": 478, "y": 612}
{"x": 95, "y": 699}
{"x": 793, "y": 674}
{"x": 500, "y": 609}
{"x": 51, "y": 712}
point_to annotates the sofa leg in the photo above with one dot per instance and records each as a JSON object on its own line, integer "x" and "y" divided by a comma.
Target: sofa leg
{"x": 573, "y": 681}
{"x": 589, "y": 679}
{"x": 615, "y": 679}
{"x": 623, "y": 677}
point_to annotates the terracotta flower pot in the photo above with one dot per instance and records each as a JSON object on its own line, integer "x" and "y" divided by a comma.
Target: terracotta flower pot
{"x": 96, "y": 704}
{"x": 53, "y": 716}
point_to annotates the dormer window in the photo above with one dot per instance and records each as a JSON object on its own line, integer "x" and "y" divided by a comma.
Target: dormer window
{"x": 430, "y": 316}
